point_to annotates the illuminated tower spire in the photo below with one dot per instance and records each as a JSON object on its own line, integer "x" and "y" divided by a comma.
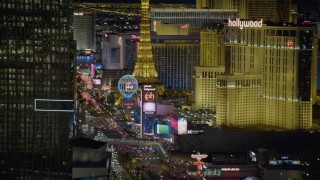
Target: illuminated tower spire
{"x": 144, "y": 69}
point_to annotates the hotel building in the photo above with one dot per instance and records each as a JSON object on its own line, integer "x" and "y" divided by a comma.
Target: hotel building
{"x": 212, "y": 63}
{"x": 274, "y": 10}
{"x": 37, "y": 76}
{"x": 84, "y": 30}
{"x": 239, "y": 100}
{"x": 174, "y": 56}
{"x": 286, "y": 57}
{"x": 196, "y": 18}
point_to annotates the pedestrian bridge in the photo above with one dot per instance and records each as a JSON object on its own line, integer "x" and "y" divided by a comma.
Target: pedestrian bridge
{"x": 135, "y": 142}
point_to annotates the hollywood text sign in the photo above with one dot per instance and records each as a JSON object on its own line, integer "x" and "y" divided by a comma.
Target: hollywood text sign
{"x": 244, "y": 23}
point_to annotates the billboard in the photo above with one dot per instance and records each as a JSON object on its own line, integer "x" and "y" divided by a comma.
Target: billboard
{"x": 174, "y": 123}
{"x": 162, "y": 129}
{"x": 96, "y": 81}
{"x": 182, "y": 126}
{"x": 149, "y": 107}
{"x": 128, "y": 85}
{"x": 149, "y": 99}
{"x": 128, "y": 104}
{"x": 148, "y": 125}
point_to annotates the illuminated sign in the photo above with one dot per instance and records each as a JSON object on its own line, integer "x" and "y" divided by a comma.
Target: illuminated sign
{"x": 135, "y": 36}
{"x": 78, "y": 14}
{"x": 241, "y": 23}
{"x": 183, "y": 26}
{"x": 199, "y": 157}
{"x": 92, "y": 71}
{"x": 182, "y": 126}
{"x": 174, "y": 123}
{"x": 149, "y": 107}
{"x": 213, "y": 172}
{"x": 149, "y": 99}
{"x": 128, "y": 104}
{"x": 96, "y": 81}
{"x": 163, "y": 129}
{"x": 290, "y": 43}
{"x": 195, "y": 132}
{"x": 128, "y": 85}
{"x": 230, "y": 169}
{"x": 120, "y": 41}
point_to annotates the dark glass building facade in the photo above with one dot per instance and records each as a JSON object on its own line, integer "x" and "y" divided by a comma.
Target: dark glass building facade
{"x": 37, "y": 64}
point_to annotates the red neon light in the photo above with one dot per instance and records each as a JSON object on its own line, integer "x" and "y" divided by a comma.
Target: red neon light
{"x": 184, "y": 26}
{"x": 199, "y": 157}
{"x": 290, "y": 43}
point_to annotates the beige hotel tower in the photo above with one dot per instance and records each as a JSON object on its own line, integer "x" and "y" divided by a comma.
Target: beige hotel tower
{"x": 274, "y": 10}
{"x": 212, "y": 59}
{"x": 270, "y": 77}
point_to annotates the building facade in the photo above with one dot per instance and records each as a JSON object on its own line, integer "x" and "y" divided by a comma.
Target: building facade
{"x": 175, "y": 62}
{"x": 240, "y": 5}
{"x": 174, "y": 57}
{"x": 37, "y": 55}
{"x": 286, "y": 57}
{"x": 212, "y": 63}
{"x": 273, "y": 10}
{"x": 196, "y": 18}
{"x": 205, "y": 86}
{"x": 84, "y": 30}
{"x": 239, "y": 100}
{"x": 120, "y": 50}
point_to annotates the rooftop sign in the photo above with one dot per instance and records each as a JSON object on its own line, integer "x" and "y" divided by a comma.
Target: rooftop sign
{"x": 244, "y": 23}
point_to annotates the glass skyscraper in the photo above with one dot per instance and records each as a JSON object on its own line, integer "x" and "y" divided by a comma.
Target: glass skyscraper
{"x": 37, "y": 57}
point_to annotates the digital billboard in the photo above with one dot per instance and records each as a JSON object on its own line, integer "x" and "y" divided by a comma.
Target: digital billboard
{"x": 162, "y": 129}
{"x": 128, "y": 104}
{"x": 149, "y": 99}
{"x": 136, "y": 115}
{"x": 182, "y": 126}
{"x": 149, "y": 107}
{"x": 174, "y": 123}
{"x": 96, "y": 81}
{"x": 148, "y": 125}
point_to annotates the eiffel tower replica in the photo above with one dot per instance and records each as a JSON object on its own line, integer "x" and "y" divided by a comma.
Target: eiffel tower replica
{"x": 144, "y": 70}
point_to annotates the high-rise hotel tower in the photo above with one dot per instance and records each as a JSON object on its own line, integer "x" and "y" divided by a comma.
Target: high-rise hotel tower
{"x": 212, "y": 63}
{"x": 84, "y": 24}
{"x": 286, "y": 57}
{"x": 37, "y": 57}
{"x": 274, "y": 10}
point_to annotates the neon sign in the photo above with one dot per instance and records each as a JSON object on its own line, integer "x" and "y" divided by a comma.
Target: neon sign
{"x": 128, "y": 85}
{"x": 92, "y": 71}
{"x": 241, "y": 24}
{"x": 133, "y": 36}
{"x": 290, "y": 43}
{"x": 230, "y": 169}
{"x": 184, "y": 26}
{"x": 199, "y": 157}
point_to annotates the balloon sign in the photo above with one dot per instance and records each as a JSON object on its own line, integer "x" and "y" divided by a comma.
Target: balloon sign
{"x": 128, "y": 85}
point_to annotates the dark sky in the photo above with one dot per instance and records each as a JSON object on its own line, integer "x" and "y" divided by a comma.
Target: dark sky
{"x": 138, "y": 1}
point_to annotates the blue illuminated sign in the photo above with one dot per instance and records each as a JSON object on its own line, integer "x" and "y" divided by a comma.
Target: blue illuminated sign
{"x": 128, "y": 85}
